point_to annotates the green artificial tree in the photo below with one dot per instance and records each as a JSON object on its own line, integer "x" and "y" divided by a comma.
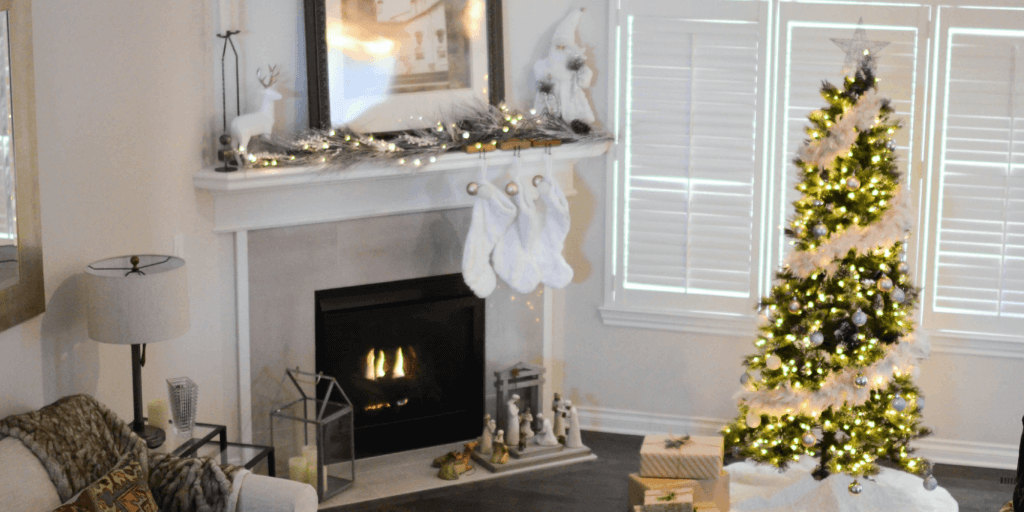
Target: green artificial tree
{"x": 832, "y": 377}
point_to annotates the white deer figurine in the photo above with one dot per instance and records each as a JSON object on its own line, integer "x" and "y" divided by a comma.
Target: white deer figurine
{"x": 245, "y": 127}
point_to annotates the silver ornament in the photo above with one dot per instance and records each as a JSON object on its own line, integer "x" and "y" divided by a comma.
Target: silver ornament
{"x": 890, "y": 145}
{"x": 856, "y": 488}
{"x": 472, "y": 188}
{"x": 794, "y": 306}
{"x": 885, "y": 284}
{"x": 861, "y": 380}
{"x": 511, "y": 189}
{"x": 859, "y": 318}
{"x": 867, "y": 283}
{"x": 930, "y": 484}
{"x": 753, "y": 420}
{"x": 819, "y": 230}
{"x": 744, "y": 379}
{"x": 920, "y": 403}
{"x": 817, "y": 202}
{"x": 903, "y": 256}
{"x": 773, "y": 362}
{"x": 903, "y": 268}
{"x": 817, "y": 338}
{"x": 898, "y": 296}
{"x": 537, "y": 180}
{"x": 808, "y": 439}
{"x": 899, "y": 403}
{"x": 852, "y": 183}
{"x": 800, "y": 231}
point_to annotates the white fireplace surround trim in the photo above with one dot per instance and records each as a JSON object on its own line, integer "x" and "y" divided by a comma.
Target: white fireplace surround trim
{"x": 276, "y": 197}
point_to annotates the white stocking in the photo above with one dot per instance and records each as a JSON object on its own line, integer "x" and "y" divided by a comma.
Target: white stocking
{"x": 493, "y": 212}
{"x": 513, "y": 256}
{"x": 554, "y": 270}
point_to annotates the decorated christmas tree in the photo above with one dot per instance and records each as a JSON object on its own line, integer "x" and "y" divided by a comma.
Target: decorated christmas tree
{"x": 833, "y": 375}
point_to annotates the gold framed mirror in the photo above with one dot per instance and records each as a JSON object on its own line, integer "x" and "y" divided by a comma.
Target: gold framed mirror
{"x": 21, "y": 250}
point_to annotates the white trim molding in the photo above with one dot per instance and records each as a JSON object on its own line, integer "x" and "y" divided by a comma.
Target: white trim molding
{"x": 686, "y": 321}
{"x": 944, "y": 451}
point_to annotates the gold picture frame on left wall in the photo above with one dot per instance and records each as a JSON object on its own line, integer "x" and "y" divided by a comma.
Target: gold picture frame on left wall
{"x": 21, "y": 286}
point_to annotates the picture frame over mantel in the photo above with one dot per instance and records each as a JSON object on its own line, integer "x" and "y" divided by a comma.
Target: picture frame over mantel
{"x": 392, "y": 65}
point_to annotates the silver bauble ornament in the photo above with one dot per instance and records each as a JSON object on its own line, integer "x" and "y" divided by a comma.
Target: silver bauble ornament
{"x": 773, "y": 362}
{"x": 856, "y": 488}
{"x": 898, "y": 295}
{"x": 903, "y": 268}
{"x": 885, "y": 284}
{"x": 817, "y": 202}
{"x": 899, "y": 403}
{"x": 537, "y": 180}
{"x": 861, "y": 380}
{"x": 890, "y": 145}
{"x": 819, "y": 230}
{"x": 472, "y": 188}
{"x": 852, "y": 183}
{"x": 867, "y": 283}
{"x": 930, "y": 484}
{"x": 903, "y": 256}
{"x": 808, "y": 439}
{"x": 817, "y": 338}
{"x": 800, "y": 231}
{"x": 920, "y": 403}
{"x": 859, "y": 318}
{"x": 511, "y": 189}
{"x": 744, "y": 379}
{"x": 753, "y": 420}
{"x": 794, "y": 306}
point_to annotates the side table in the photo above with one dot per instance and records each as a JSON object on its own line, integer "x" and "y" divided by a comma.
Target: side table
{"x": 203, "y": 445}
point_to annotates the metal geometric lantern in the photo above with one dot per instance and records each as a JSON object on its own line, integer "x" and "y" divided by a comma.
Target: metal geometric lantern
{"x": 332, "y": 425}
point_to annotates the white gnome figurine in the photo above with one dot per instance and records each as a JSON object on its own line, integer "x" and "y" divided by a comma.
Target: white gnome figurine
{"x": 563, "y": 75}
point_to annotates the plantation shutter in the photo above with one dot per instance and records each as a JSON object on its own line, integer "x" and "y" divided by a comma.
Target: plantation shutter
{"x": 979, "y": 256}
{"x": 688, "y": 159}
{"x": 807, "y": 56}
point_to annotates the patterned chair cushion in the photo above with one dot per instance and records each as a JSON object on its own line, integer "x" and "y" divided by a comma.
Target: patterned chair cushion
{"x": 122, "y": 490}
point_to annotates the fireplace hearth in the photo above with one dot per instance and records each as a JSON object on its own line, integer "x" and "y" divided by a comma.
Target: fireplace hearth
{"x": 410, "y": 356}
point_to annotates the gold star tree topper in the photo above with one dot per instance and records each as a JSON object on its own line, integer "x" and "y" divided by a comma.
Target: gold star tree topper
{"x": 858, "y": 48}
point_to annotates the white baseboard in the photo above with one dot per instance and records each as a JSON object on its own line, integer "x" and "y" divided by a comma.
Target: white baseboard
{"x": 944, "y": 451}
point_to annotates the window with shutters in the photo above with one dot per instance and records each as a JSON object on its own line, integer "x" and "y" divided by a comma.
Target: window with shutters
{"x": 974, "y": 257}
{"x": 687, "y": 173}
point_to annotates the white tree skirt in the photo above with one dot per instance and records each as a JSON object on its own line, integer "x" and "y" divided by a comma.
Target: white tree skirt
{"x": 762, "y": 488}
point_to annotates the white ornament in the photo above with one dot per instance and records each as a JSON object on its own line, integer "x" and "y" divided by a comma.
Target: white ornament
{"x": 898, "y": 295}
{"x": 566, "y": 97}
{"x": 861, "y": 380}
{"x": 817, "y": 338}
{"x": 794, "y": 306}
{"x": 930, "y": 484}
{"x": 885, "y": 284}
{"x": 859, "y": 318}
{"x": 808, "y": 439}
{"x": 773, "y": 362}
{"x": 903, "y": 268}
{"x": 819, "y": 230}
{"x": 243, "y": 128}
{"x": 856, "y": 488}
{"x": 852, "y": 183}
{"x": 899, "y": 403}
{"x": 753, "y": 420}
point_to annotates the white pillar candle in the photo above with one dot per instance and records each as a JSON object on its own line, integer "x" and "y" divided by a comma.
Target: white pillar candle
{"x": 158, "y": 413}
{"x": 297, "y": 469}
{"x": 311, "y": 474}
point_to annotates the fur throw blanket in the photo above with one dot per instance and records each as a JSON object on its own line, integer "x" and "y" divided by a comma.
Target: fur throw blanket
{"x": 78, "y": 440}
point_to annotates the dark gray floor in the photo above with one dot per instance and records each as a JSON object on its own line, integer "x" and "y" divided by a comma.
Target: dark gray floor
{"x": 601, "y": 485}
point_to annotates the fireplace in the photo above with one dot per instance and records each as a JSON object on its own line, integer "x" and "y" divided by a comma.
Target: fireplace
{"x": 410, "y": 356}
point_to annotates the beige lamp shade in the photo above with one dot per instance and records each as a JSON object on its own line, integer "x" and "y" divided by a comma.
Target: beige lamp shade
{"x": 139, "y": 304}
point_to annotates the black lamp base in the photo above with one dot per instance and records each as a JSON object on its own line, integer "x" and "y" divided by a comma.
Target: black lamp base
{"x": 154, "y": 437}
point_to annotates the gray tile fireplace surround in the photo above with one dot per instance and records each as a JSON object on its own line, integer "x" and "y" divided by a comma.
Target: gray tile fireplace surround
{"x": 286, "y": 266}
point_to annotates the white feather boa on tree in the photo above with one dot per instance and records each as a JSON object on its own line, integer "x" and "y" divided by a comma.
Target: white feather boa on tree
{"x": 839, "y": 388}
{"x": 843, "y": 134}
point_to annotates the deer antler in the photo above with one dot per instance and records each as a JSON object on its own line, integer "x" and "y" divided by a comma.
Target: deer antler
{"x": 273, "y": 76}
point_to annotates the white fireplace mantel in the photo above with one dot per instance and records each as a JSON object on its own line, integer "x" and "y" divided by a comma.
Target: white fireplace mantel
{"x": 275, "y": 197}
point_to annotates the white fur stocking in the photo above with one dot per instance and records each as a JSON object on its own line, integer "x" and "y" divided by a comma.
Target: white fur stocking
{"x": 513, "y": 256}
{"x": 554, "y": 270}
{"x": 493, "y": 213}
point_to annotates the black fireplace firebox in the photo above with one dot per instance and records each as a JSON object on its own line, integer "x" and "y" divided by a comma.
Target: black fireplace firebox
{"x": 410, "y": 356}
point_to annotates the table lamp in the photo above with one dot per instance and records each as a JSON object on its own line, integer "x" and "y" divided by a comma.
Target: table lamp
{"x": 135, "y": 300}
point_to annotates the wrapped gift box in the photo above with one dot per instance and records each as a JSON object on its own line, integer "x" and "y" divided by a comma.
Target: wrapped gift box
{"x": 706, "y": 493}
{"x": 700, "y": 458}
{"x": 666, "y": 500}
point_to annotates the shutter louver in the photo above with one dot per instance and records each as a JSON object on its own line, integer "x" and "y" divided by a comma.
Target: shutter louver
{"x": 690, "y": 156}
{"x": 979, "y": 259}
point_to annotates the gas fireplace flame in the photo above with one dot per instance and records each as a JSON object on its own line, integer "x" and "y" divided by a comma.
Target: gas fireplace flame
{"x": 377, "y": 366}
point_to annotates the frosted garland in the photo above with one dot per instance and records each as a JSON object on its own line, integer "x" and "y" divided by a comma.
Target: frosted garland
{"x": 839, "y": 388}
{"x": 843, "y": 134}
{"x": 887, "y": 230}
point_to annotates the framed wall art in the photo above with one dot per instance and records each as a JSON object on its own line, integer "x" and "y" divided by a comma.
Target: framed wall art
{"x": 389, "y": 65}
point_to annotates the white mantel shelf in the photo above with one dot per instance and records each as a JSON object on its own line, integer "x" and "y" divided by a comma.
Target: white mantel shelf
{"x": 276, "y": 197}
